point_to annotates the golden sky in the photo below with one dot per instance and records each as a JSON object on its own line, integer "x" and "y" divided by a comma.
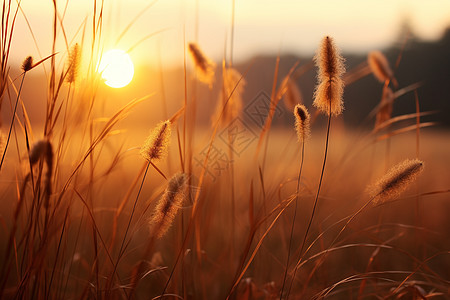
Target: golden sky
{"x": 263, "y": 26}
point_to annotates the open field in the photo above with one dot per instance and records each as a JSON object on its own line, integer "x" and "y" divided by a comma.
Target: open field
{"x": 226, "y": 198}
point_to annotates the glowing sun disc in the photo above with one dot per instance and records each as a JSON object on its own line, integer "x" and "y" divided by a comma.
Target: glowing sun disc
{"x": 116, "y": 68}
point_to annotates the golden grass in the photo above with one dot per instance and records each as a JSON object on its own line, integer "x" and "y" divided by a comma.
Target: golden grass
{"x": 77, "y": 204}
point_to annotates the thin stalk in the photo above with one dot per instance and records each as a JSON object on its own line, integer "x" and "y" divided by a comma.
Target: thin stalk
{"x": 315, "y": 201}
{"x": 12, "y": 121}
{"x": 293, "y": 219}
{"x": 122, "y": 249}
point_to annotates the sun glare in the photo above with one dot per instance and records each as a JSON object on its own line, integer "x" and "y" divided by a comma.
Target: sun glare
{"x": 116, "y": 68}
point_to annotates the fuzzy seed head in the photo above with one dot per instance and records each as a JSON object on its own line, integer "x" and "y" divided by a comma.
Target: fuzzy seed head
{"x": 330, "y": 86}
{"x": 379, "y": 66}
{"x": 155, "y": 147}
{"x": 302, "y": 120}
{"x": 27, "y": 64}
{"x": 397, "y": 179}
{"x": 204, "y": 66}
{"x": 73, "y": 63}
{"x": 169, "y": 204}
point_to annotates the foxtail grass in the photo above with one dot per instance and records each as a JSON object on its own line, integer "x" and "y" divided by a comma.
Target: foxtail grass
{"x": 74, "y": 61}
{"x": 302, "y": 127}
{"x": 328, "y": 100}
{"x": 302, "y": 122}
{"x": 395, "y": 181}
{"x": 330, "y": 85}
{"x": 168, "y": 206}
{"x": 204, "y": 66}
{"x": 161, "y": 219}
{"x": 154, "y": 148}
{"x": 387, "y": 188}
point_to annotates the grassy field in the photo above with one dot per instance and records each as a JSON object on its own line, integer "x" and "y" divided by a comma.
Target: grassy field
{"x": 91, "y": 210}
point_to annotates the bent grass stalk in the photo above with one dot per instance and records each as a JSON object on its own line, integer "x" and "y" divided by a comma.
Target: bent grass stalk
{"x": 26, "y": 66}
{"x": 302, "y": 120}
{"x": 328, "y": 99}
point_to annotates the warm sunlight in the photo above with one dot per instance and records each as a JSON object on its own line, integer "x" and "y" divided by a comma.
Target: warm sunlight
{"x": 231, "y": 149}
{"x": 116, "y": 68}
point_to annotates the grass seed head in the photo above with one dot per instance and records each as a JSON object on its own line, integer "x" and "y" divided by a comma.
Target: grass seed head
{"x": 302, "y": 121}
{"x": 155, "y": 147}
{"x": 73, "y": 63}
{"x": 330, "y": 87}
{"x": 169, "y": 204}
{"x": 204, "y": 66}
{"x": 27, "y": 64}
{"x": 395, "y": 181}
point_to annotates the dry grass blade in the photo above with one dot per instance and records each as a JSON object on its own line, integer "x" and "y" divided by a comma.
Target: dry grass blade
{"x": 28, "y": 64}
{"x": 275, "y": 98}
{"x": 258, "y": 245}
{"x": 121, "y": 114}
{"x": 83, "y": 216}
{"x": 405, "y": 129}
{"x": 379, "y": 66}
{"x": 404, "y": 118}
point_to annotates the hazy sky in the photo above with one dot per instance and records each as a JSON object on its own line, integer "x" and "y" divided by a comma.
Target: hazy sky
{"x": 261, "y": 26}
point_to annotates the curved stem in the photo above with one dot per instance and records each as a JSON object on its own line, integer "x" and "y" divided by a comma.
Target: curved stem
{"x": 12, "y": 121}
{"x": 300, "y": 255}
{"x": 293, "y": 219}
{"x": 122, "y": 248}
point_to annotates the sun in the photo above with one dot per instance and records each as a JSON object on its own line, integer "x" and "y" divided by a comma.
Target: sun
{"x": 116, "y": 68}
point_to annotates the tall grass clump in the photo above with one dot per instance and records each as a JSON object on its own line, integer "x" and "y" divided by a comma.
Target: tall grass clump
{"x": 91, "y": 209}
